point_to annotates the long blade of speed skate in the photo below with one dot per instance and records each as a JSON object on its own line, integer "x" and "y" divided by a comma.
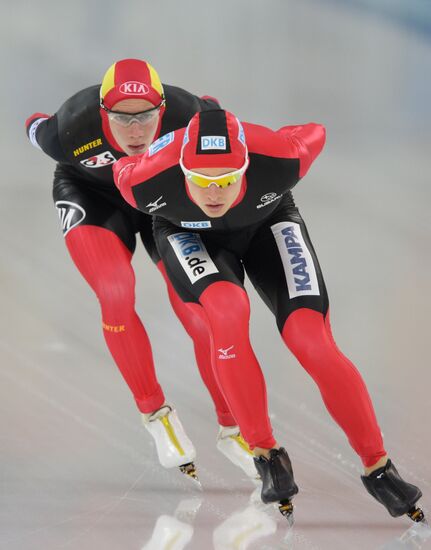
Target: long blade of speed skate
{"x": 189, "y": 470}
{"x": 286, "y": 510}
{"x": 417, "y": 515}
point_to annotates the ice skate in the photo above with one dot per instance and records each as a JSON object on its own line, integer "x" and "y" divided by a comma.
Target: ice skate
{"x": 176, "y": 531}
{"x": 231, "y": 443}
{"x": 278, "y": 484}
{"x": 415, "y": 537}
{"x": 396, "y": 495}
{"x": 174, "y": 448}
{"x": 169, "y": 532}
{"x": 244, "y": 528}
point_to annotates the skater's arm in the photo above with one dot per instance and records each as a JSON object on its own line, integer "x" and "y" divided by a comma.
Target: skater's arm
{"x": 142, "y": 171}
{"x": 122, "y": 171}
{"x": 303, "y": 143}
{"x": 308, "y": 141}
{"x": 42, "y": 131}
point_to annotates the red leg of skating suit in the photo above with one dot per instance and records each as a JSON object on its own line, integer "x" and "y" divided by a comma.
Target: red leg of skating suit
{"x": 308, "y": 336}
{"x": 238, "y": 373}
{"x": 196, "y": 325}
{"x": 104, "y": 262}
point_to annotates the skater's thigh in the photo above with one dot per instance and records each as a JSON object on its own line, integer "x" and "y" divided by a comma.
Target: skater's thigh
{"x": 283, "y": 267}
{"x": 78, "y": 206}
{"x": 147, "y": 237}
{"x": 194, "y": 261}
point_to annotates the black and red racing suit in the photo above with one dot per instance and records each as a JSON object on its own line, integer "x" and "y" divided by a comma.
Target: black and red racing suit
{"x": 100, "y": 231}
{"x": 263, "y": 235}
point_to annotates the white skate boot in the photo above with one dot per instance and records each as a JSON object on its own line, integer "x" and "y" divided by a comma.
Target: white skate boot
{"x": 174, "y": 448}
{"x": 231, "y": 443}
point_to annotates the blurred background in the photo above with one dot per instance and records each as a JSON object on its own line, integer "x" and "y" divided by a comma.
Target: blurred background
{"x": 76, "y": 470}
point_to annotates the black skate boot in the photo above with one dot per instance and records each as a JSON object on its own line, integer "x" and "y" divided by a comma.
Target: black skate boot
{"x": 398, "y": 496}
{"x": 278, "y": 484}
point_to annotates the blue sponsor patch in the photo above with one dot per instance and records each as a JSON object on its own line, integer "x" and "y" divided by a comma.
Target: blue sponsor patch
{"x": 196, "y": 225}
{"x": 161, "y": 143}
{"x": 213, "y": 142}
{"x": 186, "y": 136}
{"x": 241, "y": 135}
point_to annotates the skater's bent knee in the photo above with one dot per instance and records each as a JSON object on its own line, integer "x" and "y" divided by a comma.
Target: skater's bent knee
{"x": 305, "y": 332}
{"x": 226, "y": 301}
{"x": 116, "y": 297}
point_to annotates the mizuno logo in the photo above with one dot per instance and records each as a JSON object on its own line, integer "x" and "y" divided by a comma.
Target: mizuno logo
{"x": 156, "y": 205}
{"x": 224, "y": 353}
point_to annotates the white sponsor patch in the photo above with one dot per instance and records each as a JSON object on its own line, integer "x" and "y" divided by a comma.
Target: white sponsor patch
{"x": 99, "y": 161}
{"x": 70, "y": 214}
{"x": 297, "y": 261}
{"x": 32, "y": 132}
{"x": 161, "y": 143}
{"x": 192, "y": 255}
{"x": 133, "y": 87}
{"x": 196, "y": 225}
{"x": 213, "y": 142}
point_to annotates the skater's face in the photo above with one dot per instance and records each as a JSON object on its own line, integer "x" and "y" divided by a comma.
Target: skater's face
{"x": 134, "y": 135}
{"x": 215, "y": 201}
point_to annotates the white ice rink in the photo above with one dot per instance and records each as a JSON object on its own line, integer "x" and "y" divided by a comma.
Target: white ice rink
{"x": 77, "y": 470}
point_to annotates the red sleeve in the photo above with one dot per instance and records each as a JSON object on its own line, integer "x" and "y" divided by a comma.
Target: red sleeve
{"x": 309, "y": 140}
{"x": 210, "y": 98}
{"x": 122, "y": 171}
{"x": 32, "y": 124}
{"x": 135, "y": 170}
{"x": 42, "y": 131}
{"x": 297, "y": 142}
{"x": 34, "y": 117}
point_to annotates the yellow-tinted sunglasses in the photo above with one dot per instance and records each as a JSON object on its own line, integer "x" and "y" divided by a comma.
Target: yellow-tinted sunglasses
{"x": 222, "y": 181}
